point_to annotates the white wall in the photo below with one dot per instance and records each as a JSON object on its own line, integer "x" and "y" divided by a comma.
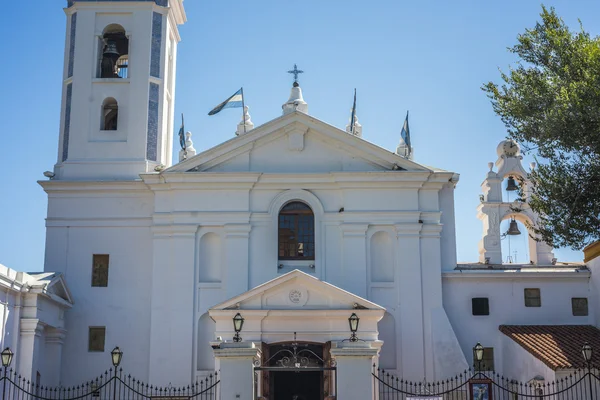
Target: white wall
{"x": 505, "y": 291}
{"x": 519, "y": 365}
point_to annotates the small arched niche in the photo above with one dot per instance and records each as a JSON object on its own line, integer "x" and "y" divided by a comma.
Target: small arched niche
{"x": 382, "y": 257}
{"x": 114, "y": 53}
{"x": 110, "y": 115}
{"x": 387, "y": 333}
{"x": 210, "y": 258}
{"x": 206, "y": 331}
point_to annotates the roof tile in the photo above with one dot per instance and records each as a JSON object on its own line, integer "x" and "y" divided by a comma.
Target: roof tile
{"x": 557, "y": 346}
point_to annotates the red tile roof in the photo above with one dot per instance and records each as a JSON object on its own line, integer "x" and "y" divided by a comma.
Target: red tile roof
{"x": 557, "y": 346}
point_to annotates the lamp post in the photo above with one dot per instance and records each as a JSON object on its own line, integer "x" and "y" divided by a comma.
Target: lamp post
{"x": 7, "y": 356}
{"x": 353, "y": 322}
{"x": 238, "y": 323}
{"x": 588, "y": 352}
{"x": 116, "y": 355}
{"x": 478, "y": 351}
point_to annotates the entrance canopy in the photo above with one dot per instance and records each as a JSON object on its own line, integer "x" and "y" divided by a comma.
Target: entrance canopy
{"x": 297, "y": 303}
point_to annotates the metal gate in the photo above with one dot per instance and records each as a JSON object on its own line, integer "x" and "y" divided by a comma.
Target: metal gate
{"x": 581, "y": 384}
{"x": 113, "y": 384}
{"x": 297, "y": 359}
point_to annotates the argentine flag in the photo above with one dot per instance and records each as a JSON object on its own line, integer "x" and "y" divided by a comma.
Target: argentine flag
{"x": 405, "y": 133}
{"x": 236, "y": 100}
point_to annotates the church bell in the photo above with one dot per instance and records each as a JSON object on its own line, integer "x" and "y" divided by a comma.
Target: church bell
{"x": 110, "y": 51}
{"x": 513, "y": 228}
{"x": 511, "y": 185}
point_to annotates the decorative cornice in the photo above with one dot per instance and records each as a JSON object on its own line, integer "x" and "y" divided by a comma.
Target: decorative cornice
{"x": 56, "y": 336}
{"x": 351, "y": 229}
{"x": 591, "y": 251}
{"x": 238, "y": 230}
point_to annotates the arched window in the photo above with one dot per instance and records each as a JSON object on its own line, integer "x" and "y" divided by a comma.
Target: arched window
{"x": 110, "y": 115}
{"x": 296, "y": 232}
{"x": 114, "y": 53}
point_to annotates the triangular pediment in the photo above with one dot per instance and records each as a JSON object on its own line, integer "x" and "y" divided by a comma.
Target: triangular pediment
{"x": 296, "y": 143}
{"x": 297, "y": 290}
{"x": 52, "y": 284}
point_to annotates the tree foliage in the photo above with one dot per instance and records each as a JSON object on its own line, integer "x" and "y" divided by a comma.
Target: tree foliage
{"x": 550, "y": 103}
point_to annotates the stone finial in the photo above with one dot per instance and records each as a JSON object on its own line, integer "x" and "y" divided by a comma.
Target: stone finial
{"x": 245, "y": 124}
{"x": 189, "y": 151}
{"x": 532, "y": 165}
{"x": 357, "y": 126}
{"x": 295, "y": 102}
{"x": 403, "y": 150}
{"x": 491, "y": 166}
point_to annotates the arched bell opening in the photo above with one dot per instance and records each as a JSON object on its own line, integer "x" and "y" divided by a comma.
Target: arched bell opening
{"x": 113, "y": 55}
{"x": 516, "y": 244}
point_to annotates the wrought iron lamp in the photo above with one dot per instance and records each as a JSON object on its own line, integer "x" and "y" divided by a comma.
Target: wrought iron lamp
{"x": 588, "y": 352}
{"x": 353, "y": 322}
{"x": 478, "y": 351}
{"x": 238, "y": 323}
{"x": 116, "y": 354}
{"x": 7, "y": 356}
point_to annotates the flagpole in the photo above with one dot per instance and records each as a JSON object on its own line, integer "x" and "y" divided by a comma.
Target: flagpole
{"x": 243, "y": 110}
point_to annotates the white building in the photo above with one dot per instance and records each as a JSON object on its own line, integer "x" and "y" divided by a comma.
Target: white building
{"x": 294, "y": 224}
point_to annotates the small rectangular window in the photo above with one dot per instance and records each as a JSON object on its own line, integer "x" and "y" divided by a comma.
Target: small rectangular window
{"x": 533, "y": 298}
{"x": 480, "y": 306}
{"x": 487, "y": 363}
{"x": 96, "y": 338}
{"x": 100, "y": 270}
{"x": 579, "y": 306}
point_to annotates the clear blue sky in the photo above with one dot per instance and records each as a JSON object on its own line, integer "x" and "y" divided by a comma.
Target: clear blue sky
{"x": 429, "y": 57}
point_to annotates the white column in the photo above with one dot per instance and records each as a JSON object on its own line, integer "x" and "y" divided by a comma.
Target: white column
{"x": 237, "y": 245}
{"x": 410, "y": 300}
{"x": 236, "y": 363}
{"x": 354, "y": 370}
{"x": 31, "y": 332}
{"x": 431, "y": 278}
{"x": 55, "y": 339}
{"x": 355, "y": 258}
{"x": 172, "y": 310}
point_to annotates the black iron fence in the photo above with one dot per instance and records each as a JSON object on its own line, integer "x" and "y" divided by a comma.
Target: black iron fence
{"x": 578, "y": 384}
{"x": 113, "y": 384}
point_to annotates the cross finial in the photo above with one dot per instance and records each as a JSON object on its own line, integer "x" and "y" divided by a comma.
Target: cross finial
{"x": 296, "y": 72}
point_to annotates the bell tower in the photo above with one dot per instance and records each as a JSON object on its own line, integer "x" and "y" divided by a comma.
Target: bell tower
{"x": 494, "y": 209}
{"x": 118, "y": 88}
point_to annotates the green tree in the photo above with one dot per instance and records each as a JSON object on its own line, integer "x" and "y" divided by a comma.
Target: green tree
{"x": 550, "y": 103}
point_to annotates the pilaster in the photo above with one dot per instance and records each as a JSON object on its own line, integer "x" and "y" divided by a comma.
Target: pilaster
{"x": 410, "y": 300}
{"x": 55, "y": 339}
{"x": 431, "y": 278}
{"x": 172, "y": 309}
{"x": 354, "y": 369}
{"x": 354, "y": 255}
{"x": 31, "y": 330}
{"x": 236, "y": 361}
{"x": 237, "y": 249}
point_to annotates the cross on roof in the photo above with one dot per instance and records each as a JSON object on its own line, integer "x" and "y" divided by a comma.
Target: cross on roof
{"x": 296, "y": 72}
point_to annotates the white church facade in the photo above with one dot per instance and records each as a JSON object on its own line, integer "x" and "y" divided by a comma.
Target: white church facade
{"x": 294, "y": 225}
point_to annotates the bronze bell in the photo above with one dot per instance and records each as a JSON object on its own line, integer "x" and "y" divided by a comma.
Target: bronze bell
{"x": 511, "y": 185}
{"x": 513, "y": 228}
{"x": 110, "y": 50}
